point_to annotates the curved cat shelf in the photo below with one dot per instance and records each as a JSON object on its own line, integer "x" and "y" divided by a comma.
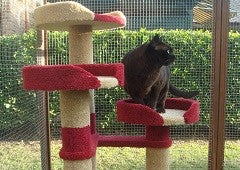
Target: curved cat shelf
{"x": 179, "y": 111}
{"x": 72, "y": 77}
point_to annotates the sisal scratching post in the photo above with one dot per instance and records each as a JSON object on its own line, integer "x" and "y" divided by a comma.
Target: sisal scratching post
{"x": 75, "y": 105}
{"x": 157, "y": 158}
{"x": 80, "y": 44}
{"x": 78, "y": 165}
{"x": 75, "y": 109}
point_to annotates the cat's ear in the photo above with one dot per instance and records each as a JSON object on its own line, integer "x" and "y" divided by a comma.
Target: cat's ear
{"x": 160, "y": 39}
{"x": 155, "y": 40}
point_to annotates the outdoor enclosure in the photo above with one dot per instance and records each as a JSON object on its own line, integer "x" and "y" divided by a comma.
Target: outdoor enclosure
{"x": 191, "y": 27}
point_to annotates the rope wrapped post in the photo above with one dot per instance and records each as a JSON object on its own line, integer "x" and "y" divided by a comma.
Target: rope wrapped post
{"x": 158, "y": 158}
{"x": 75, "y": 105}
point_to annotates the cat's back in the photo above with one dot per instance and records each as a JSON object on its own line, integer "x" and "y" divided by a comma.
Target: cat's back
{"x": 134, "y": 56}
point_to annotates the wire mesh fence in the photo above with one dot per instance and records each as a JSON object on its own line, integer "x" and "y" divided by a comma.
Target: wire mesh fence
{"x": 232, "y": 130}
{"x": 186, "y": 27}
{"x": 21, "y": 114}
{"x": 233, "y": 90}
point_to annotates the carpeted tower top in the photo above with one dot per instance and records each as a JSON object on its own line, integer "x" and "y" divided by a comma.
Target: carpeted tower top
{"x": 60, "y": 16}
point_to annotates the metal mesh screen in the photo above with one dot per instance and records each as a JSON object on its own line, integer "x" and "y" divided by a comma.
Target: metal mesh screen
{"x": 22, "y": 130}
{"x": 232, "y": 130}
{"x": 21, "y": 114}
{"x": 1, "y": 5}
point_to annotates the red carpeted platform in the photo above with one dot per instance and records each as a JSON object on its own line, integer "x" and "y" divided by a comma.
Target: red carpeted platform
{"x": 130, "y": 112}
{"x": 108, "y": 17}
{"x": 69, "y": 77}
{"x": 157, "y": 132}
{"x": 157, "y": 135}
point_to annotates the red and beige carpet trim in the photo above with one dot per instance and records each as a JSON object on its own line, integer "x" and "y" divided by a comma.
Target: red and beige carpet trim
{"x": 61, "y": 15}
{"x": 72, "y": 77}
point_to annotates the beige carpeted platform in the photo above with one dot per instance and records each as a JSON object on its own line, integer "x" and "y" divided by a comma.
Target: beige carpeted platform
{"x": 61, "y": 15}
{"x": 107, "y": 81}
{"x": 173, "y": 117}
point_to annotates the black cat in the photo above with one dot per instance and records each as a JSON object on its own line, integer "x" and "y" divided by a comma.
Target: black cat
{"x": 147, "y": 74}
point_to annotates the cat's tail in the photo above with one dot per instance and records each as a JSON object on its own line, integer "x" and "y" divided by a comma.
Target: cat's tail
{"x": 178, "y": 93}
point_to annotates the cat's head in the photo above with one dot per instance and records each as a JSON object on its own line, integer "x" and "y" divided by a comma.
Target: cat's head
{"x": 162, "y": 51}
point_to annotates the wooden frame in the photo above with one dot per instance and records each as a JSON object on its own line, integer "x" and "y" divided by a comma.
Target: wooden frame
{"x": 45, "y": 140}
{"x": 44, "y": 100}
{"x": 219, "y": 71}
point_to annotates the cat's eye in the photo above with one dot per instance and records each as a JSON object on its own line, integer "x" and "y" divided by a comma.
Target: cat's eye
{"x": 168, "y": 51}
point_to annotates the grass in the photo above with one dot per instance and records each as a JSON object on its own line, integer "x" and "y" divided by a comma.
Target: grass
{"x": 185, "y": 155}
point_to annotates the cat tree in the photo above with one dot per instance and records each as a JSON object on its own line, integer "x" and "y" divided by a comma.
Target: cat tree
{"x": 76, "y": 82}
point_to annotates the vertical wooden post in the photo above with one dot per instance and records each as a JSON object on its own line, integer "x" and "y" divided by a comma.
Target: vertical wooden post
{"x": 45, "y": 130}
{"x": 218, "y": 98}
{"x": 42, "y": 59}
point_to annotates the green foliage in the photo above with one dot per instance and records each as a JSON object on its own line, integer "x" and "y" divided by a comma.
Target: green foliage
{"x": 16, "y": 105}
{"x": 58, "y": 47}
{"x": 233, "y": 80}
{"x": 191, "y": 70}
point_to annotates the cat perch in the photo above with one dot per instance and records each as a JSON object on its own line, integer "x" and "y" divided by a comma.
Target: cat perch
{"x": 76, "y": 81}
{"x": 157, "y": 139}
{"x": 73, "y": 77}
